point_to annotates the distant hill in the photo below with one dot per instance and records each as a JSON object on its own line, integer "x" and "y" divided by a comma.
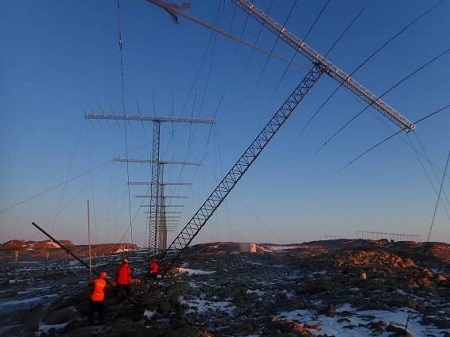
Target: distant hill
{"x": 22, "y": 244}
{"x": 433, "y": 254}
{"x": 47, "y": 249}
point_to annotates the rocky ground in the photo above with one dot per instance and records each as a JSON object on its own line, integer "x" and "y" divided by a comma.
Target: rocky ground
{"x": 323, "y": 288}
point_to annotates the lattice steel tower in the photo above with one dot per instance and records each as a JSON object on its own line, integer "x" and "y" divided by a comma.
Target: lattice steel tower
{"x": 157, "y": 227}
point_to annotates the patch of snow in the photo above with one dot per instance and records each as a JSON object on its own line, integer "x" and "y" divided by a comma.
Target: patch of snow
{"x": 255, "y": 263}
{"x": 354, "y": 325}
{"x": 26, "y": 262}
{"x": 204, "y": 306}
{"x": 45, "y": 328}
{"x": 32, "y": 290}
{"x": 77, "y": 264}
{"x": 276, "y": 248}
{"x": 122, "y": 250}
{"x": 257, "y": 292}
{"x": 24, "y": 303}
{"x": 149, "y": 314}
{"x": 195, "y": 271}
{"x": 401, "y": 292}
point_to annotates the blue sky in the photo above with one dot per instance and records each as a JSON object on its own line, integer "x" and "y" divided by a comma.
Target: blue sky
{"x": 60, "y": 60}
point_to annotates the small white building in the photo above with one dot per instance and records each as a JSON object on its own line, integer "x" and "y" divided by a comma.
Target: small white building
{"x": 246, "y": 247}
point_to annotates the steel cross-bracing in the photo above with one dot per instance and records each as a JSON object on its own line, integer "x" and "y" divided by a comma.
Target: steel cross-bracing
{"x": 154, "y": 209}
{"x": 230, "y": 180}
{"x": 160, "y": 225}
{"x": 329, "y": 68}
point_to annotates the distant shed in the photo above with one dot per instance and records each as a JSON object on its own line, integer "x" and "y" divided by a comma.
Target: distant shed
{"x": 247, "y": 247}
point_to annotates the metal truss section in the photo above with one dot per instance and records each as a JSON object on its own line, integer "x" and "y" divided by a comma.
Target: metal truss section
{"x": 200, "y": 218}
{"x": 331, "y": 69}
{"x": 154, "y": 192}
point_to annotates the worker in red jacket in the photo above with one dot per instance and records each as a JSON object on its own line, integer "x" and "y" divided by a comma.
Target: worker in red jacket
{"x": 153, "y": 269}
{"x": 123, "y": 277}
{"x": 96, "y": 303}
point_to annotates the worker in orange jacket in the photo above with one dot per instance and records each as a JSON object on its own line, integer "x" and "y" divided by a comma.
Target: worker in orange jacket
{"x": 96, "y": 303}
{"x": 123, "y": 277}
{"x": 153, "y": 269}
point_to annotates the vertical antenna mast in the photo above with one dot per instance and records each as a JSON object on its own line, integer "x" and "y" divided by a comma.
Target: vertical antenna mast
{"x": 157, "y": 237}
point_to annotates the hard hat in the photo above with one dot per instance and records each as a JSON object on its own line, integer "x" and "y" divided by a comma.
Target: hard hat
{"x": 103, "y": 274}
